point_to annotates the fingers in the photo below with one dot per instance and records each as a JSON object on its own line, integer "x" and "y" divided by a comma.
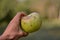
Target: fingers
{"x": 21, "y": 14}
{"x": 14, "y": 26}
{"x": 22, "y": 34}
{"x": 18, "y": 16}
{"x": 15, "y": 22}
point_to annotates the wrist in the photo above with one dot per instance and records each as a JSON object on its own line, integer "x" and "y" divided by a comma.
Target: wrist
{"x": 3, "y": 37}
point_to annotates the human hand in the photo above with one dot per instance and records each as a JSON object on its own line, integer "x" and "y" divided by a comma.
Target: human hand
{"x": 13, "y": 30}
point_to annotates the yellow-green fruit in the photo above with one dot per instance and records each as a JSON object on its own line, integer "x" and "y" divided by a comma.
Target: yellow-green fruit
{"x": 31, "y": 23}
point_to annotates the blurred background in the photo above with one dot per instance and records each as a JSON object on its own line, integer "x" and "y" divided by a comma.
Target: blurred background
{"x": 49, "y": 11}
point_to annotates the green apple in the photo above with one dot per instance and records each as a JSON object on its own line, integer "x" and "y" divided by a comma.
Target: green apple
{"x": 31, "y": 22}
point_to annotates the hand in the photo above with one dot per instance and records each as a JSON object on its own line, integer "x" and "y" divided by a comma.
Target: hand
{"x": 13, "y": 30}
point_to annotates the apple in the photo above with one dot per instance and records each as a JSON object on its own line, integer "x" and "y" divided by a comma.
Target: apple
{"x": 31, "y": 22}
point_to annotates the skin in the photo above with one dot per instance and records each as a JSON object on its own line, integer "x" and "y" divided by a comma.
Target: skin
{"x": 13, "y": 30}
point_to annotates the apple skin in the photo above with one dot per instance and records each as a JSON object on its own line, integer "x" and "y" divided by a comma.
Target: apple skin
{"x": 31, "y": 22}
